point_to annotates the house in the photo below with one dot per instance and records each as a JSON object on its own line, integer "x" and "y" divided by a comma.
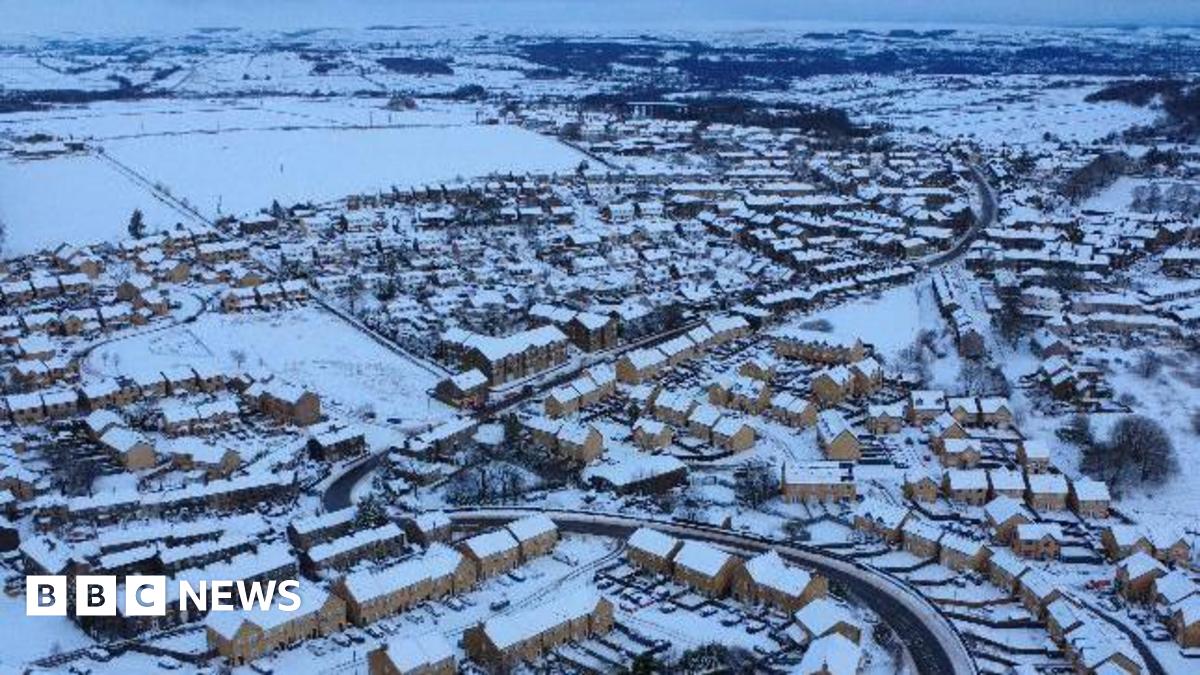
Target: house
{"x": 592, "y": 332}
{"x": 969, "y": 486}
{"x": 963, "y": 553}
{"x": 1089, "y": 498}
{"x": 1173, "y": 587}
{"x": 792, "y": 410}
{"x": 422, "y": 655}
{"x": 1003, "y": 515}
{"x": 920, "y": 486}
{"x": 961, "y": 453}
{"x": 733, "y": 434}
{"x": 336, "y": 441}
{"x": 242, "y": 636}
{"x": 831, "y": 386}
{"x": 868, "y": 377}
{"x": 833, "y": 654}
{"x": 995, "y": 411}
{"x": 562, "y": 401}
{"x": 467, "y": 389}
{"x": 704, "y": 568}
{"x": 652, "y": 550}
{"x": 817, "y": 481}
{"x": 491, "y": 553}
{"x": 1136, "y": 575}
{"x": 1170, "y": 545}
{"x": 1040, "y": 541}
{"x": 1062, "y": 617}
{"x": 702, "y": 420}
{"x": 536, "y": 536}
{"x": 308, "y": 532}
{"x": 195, "y": 454}
{"x": 1034, "y": 456}
{"x": 836, "y": 438}
{"x": 964, "y": 409}
{"x": 651, "y": 434}
{"x": 673, "y": 407}
{"x": 922, "y": 538}
{"x": 945, "y": 427}
{"x": 1185, "y": 622}
{"x": 823, "y": 617}
{"x": 579, "y": 443}
{"x": 1122, "y": 541}
{"x": 287, "y": 404}
{"x": 373, "y": 594}
{"x": 428, "y": 528}
{"x": 1036, "y": 591}
{"x": 881, "y": 519}
{"x": 1005, "y": 570}
{"x": 1006, "y": 483}
{"x": 818, "y": 347}
{"x": 386, "y": 540}
{"x": 767, "y": 580}
{"x": 638, "y": 365}
{"x": 1046, "y": 491}
{"x": 925, "y": 405}
{"x": 502, "y": 642}
{"x": 130, "y": 448}
{"x": 886, "y": 418}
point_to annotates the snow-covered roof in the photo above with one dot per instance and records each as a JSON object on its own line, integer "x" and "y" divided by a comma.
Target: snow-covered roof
{"x": 702, "y": 558}
{"x": 653, "y": 542}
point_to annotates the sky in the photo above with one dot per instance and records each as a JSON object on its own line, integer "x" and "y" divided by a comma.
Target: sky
{"x": 125, "y": 17}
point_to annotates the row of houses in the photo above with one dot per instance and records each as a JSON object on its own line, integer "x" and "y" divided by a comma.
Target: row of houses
{"x": 1039, "y": 491}
{"x": 267, "y": 295}
{"x": 62, "y": 403}
{"x": 643, "y": 364}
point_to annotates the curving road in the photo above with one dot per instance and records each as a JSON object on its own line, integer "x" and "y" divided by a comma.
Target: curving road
{"x": 983, "y": 220}
{"x": 932, "y": 641}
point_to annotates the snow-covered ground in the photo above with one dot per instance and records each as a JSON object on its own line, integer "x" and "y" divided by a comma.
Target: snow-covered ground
{"x": 308, "y": 347}
{"x": 227, "y": 158}
{"x": 236, "y": 172}
{"x": 35, "y": 207}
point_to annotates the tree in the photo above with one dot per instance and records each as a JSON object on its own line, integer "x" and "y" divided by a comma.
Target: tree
{"x": 1008, "y": 318}
{"x": 1077, "y": 431}
{"x": 1143, "y": 443}
{"x": 715, "y": 658}
{"x": 277, "y": 210}
{"x": 137, "y": 227}
{"x": 977, "y": 378}
{"x": 756, "y": 483}
{"x": 3, "y": 236}
{"x": 1149, "y": 364}
{"x": 645, "y": 663}
{"x": 238, "y": 356}
{"x": 1138, "y": 451}
{"x": 371, "y": 512}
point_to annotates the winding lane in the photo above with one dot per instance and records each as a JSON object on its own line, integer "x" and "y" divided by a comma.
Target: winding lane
{"x": 934, "y": 644}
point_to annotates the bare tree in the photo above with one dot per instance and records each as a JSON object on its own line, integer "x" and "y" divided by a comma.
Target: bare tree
{"x": 757, "y": 482}
{"x": 1138, "y": 451}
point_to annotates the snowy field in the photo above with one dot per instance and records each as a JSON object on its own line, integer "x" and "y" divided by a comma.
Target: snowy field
{"x": 236, "y": 158}
{"x": 307, "y": 347}
{"x": 891, "y": 321}
{"x": 112, "y": 120}
{"x": 35, "y": 207}
{"x": 242, "y": 171}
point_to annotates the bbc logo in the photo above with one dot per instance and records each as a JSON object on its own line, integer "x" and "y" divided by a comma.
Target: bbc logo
{"x": 96, "y": 595}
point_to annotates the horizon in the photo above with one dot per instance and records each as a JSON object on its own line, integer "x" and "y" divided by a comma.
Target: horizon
{"x": 131, "y": 18}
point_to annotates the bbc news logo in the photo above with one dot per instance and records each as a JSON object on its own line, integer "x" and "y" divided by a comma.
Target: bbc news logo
{"x": 96, "y": 595}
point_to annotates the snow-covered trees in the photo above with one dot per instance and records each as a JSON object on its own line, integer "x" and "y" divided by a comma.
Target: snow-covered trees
{"x": 1138, "y": 452}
